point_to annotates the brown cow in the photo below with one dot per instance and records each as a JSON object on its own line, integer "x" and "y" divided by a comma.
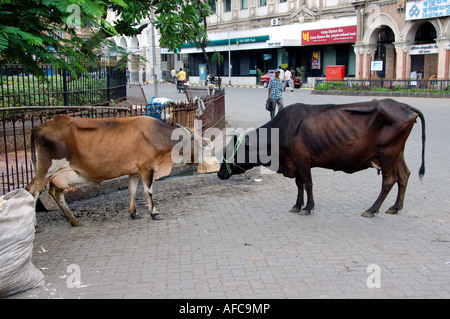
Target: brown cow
{"x": 348, "y": 138}
{"x": 75, "y": 151}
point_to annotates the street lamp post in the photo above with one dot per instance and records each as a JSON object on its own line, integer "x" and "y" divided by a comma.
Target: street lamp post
{"x": 229, "y": 50}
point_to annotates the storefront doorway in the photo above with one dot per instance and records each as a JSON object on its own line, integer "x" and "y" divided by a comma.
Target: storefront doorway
{"x": 385, "y": 52}
{"x": 424, "y": 52}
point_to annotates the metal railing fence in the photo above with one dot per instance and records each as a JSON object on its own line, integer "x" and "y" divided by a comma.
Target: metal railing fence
{"x": 16, "y": 123}
{"x": 102, "y": 86}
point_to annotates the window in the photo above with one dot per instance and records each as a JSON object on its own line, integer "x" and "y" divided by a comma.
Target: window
{"x": 213, "y": 7}
{"x": 244, "y": 4}
{"x": 281, "y": 1}
{"x": 227, "y": 5}
{"x": 262, "y": 3}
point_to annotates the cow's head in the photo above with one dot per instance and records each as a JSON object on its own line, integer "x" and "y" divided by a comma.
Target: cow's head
{"x": 192, "y": 144}
{"x": 230, "y": 164}
{"x": 251, "y": 149}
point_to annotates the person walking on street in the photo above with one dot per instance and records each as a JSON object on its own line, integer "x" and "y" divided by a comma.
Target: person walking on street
{"x": 281, "y": 75}
{"x": 127, "y": 73}
{"x": 288, "y": 80}
{"x": 275, "y": 93}
{"x": 174, "y": 73}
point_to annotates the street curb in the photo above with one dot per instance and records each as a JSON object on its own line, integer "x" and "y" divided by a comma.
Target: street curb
{"x": 225, "y": 85}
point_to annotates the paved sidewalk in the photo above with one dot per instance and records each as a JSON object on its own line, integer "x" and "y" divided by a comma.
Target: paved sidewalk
{"x": 236, "y": 238}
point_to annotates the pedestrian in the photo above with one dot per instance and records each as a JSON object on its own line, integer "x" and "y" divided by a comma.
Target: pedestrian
{"x": 127, "y": 73}
{"x": 288, "y": 80}
{"x": 144, "y": 77}
{"x": 293, "y": 73}
{"x": 173, "y": 73}
{"x": 281, "y": 75}
{"x": 275, "y": 93}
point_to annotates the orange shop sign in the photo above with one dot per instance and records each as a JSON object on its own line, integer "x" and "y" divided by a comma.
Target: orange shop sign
{"x": 330, "y": 35}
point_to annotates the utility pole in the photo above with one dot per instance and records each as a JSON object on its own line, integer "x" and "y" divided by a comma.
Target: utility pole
{"x": 155, "y": 78}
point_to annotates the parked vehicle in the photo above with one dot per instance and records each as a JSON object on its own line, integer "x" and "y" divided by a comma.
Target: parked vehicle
{"x": 212, "y": 80}
{"x": 266, "y": 78}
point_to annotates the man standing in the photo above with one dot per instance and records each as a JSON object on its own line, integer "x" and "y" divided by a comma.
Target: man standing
{"x": 174, "y": 74}
{"x": 275, "y": 93}
{"x": 127, "y": 73}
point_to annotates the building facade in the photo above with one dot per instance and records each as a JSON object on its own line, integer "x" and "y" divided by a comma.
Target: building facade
{"x": 403, "y": 38}
{"x": 259, "y": 35}
{"x": 373, "y": 39}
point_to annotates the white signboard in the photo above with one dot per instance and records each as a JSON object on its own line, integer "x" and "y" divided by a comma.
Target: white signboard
{"x": 427, "y": 9}
{"x": 432, "y": 48}
{"x": 376, "y": 66}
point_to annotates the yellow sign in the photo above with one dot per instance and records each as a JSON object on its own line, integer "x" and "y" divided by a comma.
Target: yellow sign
{"x": 306, "y": 36}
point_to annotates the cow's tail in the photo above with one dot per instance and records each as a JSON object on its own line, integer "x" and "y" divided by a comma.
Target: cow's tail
{"x": 422, "y": 119}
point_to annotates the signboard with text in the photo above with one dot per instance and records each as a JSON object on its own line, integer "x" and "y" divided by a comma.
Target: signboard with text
{"x": 330, "y": 35}
{"x": 315, "y": 62}
{"x": 376, "y": 66}
{"x": 431, "y": 48}
{"x": 428, "y": 9}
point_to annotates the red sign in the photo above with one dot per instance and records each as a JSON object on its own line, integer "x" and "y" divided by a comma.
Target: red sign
{"x": 331, "y": 35}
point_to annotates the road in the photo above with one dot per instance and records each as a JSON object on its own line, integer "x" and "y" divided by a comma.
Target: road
{"x": 236, "y": 238}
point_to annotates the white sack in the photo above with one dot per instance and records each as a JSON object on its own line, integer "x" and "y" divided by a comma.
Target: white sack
{"x": 17, "y": 221}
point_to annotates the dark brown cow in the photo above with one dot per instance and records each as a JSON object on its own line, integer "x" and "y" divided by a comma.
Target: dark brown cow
{"x": 75, "y": 151}
{"x": 348, "y": 138}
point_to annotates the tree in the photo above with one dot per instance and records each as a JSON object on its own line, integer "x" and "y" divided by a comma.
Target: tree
{"x": 218, "y": 58}
{"x": 30, "y": 29}
{"x": 201, "y": 39}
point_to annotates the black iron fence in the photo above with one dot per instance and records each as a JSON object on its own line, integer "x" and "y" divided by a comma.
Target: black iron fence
{"x": 101, "y": 86}
{"x": 16, "y": 123}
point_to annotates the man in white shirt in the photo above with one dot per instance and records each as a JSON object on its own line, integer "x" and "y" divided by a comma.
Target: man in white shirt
{"x": 281, "y": 75}
{"x": 288, "y": 79}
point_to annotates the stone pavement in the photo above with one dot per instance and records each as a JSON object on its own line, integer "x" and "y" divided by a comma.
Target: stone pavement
{"x": 236, "y": 238}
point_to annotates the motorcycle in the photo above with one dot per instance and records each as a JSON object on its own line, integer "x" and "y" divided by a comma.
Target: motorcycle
{"x": 212, "y": 80}
{"x": 181, "y": 85}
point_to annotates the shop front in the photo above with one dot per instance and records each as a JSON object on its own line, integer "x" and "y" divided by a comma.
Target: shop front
{"x": 257, "y": 51}
{"x": 410, "y": 38}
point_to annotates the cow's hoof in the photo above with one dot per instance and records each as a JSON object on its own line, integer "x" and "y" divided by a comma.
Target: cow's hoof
{"x": 305, "y": 212}
{"x": 295, "y": 209}
{"x": 367, "y": 214}
{"x": 392, "y": 211}
{"x": 76, "y": 222}
{"x": 156, "y": 216}
{"x": 135, "y": 215}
